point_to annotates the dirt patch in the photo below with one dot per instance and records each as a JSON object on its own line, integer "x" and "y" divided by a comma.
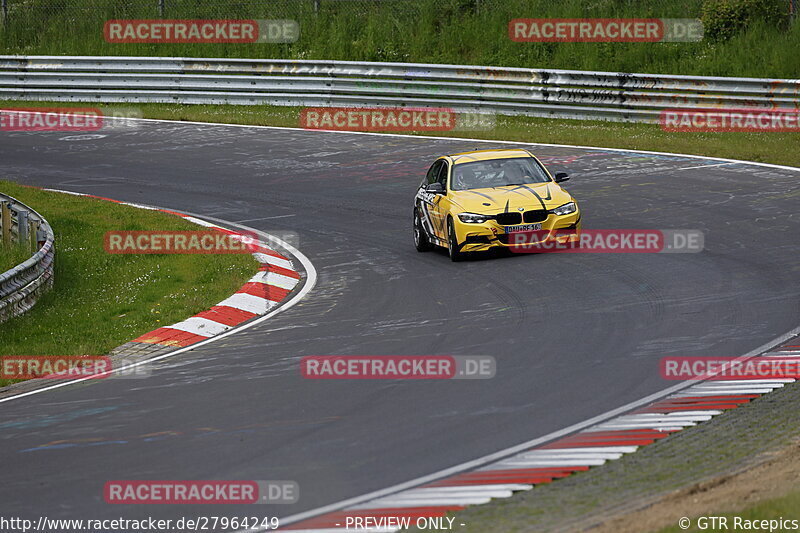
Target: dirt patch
{"x": 777, "y": 475}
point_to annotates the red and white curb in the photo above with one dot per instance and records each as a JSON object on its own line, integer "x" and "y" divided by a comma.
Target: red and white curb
{"x": 592, "y": 446}
{"x": 276, "y": 279}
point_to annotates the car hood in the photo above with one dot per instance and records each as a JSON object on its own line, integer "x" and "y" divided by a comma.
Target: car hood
{"x": 493, "y": 200}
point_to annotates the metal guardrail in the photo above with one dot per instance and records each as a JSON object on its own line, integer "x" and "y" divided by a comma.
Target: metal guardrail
{"x": 21, "y": 286}
{"x": 498, "y": 90}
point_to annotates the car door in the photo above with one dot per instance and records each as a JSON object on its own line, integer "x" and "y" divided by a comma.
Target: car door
{"x": 441, "y": 203}
{"x": 429, "y": 204}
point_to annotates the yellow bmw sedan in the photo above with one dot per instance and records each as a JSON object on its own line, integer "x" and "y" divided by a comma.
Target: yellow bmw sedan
{"x": 504, "y": 198}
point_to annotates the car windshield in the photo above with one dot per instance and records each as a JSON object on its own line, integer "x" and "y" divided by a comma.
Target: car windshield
{"x": 497, "y": 173}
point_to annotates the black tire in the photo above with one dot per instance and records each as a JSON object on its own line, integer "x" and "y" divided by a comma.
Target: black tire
{"x": 453, "y": 249}
{"x": 421, "y": 241}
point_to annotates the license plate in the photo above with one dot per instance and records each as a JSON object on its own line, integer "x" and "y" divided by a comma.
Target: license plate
{"x": 523, "y": 227}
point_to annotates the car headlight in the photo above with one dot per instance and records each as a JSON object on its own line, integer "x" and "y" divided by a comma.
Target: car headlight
{"x": 474, "y": 218}
{"x": 565, "y": 209}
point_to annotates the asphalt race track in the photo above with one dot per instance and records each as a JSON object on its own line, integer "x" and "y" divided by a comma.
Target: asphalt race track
{"x": 574, "y": 335}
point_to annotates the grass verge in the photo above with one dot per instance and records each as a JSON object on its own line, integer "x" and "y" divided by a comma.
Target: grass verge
{"x": 99, "y": 300}
{"x": 770, "y": 147}
{"x": 431, "y": 31}
{"x": 11, "y": 256}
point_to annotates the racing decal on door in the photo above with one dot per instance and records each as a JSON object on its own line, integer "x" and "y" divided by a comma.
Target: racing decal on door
{"x": 430, "y": 223}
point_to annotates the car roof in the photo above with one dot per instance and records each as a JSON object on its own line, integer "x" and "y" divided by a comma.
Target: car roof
{"x": 485, "y": 155}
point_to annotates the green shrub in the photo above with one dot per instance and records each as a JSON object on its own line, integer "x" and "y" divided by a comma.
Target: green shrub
{"x": 723, "y": 19}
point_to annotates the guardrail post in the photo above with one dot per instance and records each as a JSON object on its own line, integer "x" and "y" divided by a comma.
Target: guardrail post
{"x": 161, "y": 8}
{"x": 33, "y": 234}
{"x": 316, "y": 6}
{"x": 792, "y": 10}
{"x": 22, "y": 227}
{"x": 41, "y": 235}
{"x": 5, "y": 11}
{"x": 5, "y": 222}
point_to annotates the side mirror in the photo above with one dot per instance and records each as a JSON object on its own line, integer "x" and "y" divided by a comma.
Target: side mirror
{"x": 561, "y": 176}
{"x": 435, "y": 188}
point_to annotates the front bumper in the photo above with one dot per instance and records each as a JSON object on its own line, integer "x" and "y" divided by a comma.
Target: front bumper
{"x": 488, "y": 235}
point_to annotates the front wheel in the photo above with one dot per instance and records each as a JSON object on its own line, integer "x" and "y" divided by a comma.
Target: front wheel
{"x": 420, "y": 237}
{"x": 452, "y": 243}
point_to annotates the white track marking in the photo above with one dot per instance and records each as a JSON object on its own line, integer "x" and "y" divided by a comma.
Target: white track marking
{"x": 424, "y": 502}
{"x": 583, "y": 451}
{"x": 200, "y": 326}
{"x": 700, "y": 166}
{"x": 570, "y": 453}
{"x": 466, "y": 489}
{"x": 138, "y": 206}
{"x": 272, "y": 260}
{"x": 264, "y": 218}
{"x": 538, "y": 455}
{"x": 200, "y": 222}
{"x": 660, "y": 417}
{"x": 247, "y": 302}
{"x": 517, "y": 463}
{"x": 720, "y": 393}
{"x": 778, "y": 382}
{"x": 712, "y": 412}
{"x": 661, "y": 426}
{"x": 593, "y": 449}
{"x": 731, "y": 389}
{"x": 276, "y": 280}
